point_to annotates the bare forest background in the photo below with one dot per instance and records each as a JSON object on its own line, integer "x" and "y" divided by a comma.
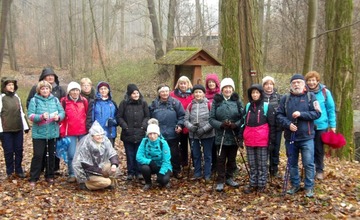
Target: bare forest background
{"x": 118, "y": 41}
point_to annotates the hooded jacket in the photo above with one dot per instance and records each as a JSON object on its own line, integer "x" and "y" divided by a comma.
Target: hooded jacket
{"x": 132, "y": 117}
{"x": 12, "y": 115}
{"x": 259, "y": 129}
{"x": 211, "y": 93}
{"x": 57, "y": 90}
{"x": 103, "y": 111}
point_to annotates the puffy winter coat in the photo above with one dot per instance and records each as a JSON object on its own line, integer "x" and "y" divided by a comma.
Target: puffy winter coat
{"x": 308, "y": 113}
{"x": 222, "y": 110}
{"x": 274, "y": 100}
{"x": 74, "y": 123}
{"x": 132, "y": 117}
{"x": 45, "y": 129}
{"x": 198, "y": 112}
{"x": 185, "y": 98}
{"x": 210, "y": 94}
{"x": 169, "y": 113}
{"x": 157, "y": 151}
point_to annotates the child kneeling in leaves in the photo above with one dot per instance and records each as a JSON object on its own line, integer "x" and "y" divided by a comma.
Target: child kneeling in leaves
{"x": 95, "y": 160}
{"x": 154, "y": 156}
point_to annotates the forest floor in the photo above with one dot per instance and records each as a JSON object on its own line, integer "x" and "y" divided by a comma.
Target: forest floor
{"x": 337, "y": 197}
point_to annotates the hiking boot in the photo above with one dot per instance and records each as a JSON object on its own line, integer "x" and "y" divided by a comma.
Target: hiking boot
{"x": 168, "y": 185}
{"x": 32, "y": 184}
{"x": 21, "y": 175}
{"x": 140, "y": 177}
{"x": 219, "y": 187}
{"x": 293, "y": 190}
{"x": 177, "y": 175}
{"x": 261, "y": 189}
{"x": 320, "y": 176}
{"x": 82, "y": 186}
{"x": 207, "y": 180}
{"x": 232, "y": 183}
{"x": 50, "y": 180}
{"x": 249, "y": 189}
{"x": 147, "y": 187}
{"x": 129, "y": 178}
{"x": 309, "y": 193}
{"x": 71, "y": 179}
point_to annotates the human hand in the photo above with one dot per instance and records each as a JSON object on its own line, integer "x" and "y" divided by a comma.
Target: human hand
{"x": 153, "y": 165}
{"x": 178, "y": 129}
{"x": 200, "y": 132}
{"x": 225, "y": 125}
{"x": 293, "y": 127}
{"x": 113, "y": 168}
{"x": 111, "y": 122}
{"x": 296, "y": 114}
{"x": 232, "y": 126}
{"x": 45, "y": 116}
{"x": 193, "y": 128}
{"x": 56, "y": 117}
{"x": 105, "y": 173}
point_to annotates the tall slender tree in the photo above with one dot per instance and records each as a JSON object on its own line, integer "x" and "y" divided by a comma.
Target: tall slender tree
{"x": 5, "y": 8}
{"x": 310, "y": 36}
{"x": 157, "y": 37}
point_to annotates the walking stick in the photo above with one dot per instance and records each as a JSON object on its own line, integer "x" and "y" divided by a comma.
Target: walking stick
{"x": 217, "y": 158}
{"x": 241, "y": 154}
{"x": 189, "y": 165}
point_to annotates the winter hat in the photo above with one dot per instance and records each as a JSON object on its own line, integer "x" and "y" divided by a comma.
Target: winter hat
{"x": 101, "y": 84}
{"x": 73, "y": 85}
{"x": 96, "y": 129}
{"x": 258, "y": 87}
{"x": 153, "y": 126}
{"x": 198, "y": 86}
{"x": 227, "y": 82}
{"x": 7, "y": 80}
{"x": 267, "y": 78}
{"x": 131, "y": 88}
{"x": 297, "y": 76}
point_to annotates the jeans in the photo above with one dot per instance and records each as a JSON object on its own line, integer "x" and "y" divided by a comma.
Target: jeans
{"x": 306, "y": 148}
{"x": 275, "y": 154}
{"x": 13, "y": 151}
{"x": 71, "y": 152}
{"x": 131, "y": 163}
{"x": 207, "y": 145}
{"x": 319, "y": 151}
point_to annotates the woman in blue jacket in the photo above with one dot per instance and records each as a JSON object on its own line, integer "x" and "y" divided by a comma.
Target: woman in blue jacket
{"x": 154, "y": 156}
{"x": 326, "y": 121}
{"x": 45, "y": 111}
{"x": 104, "y": 110}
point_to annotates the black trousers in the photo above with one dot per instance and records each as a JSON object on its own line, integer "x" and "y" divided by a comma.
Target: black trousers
{"x": 146, "y": 171}
{"x": 42, "y": 147}
{"x": 226, "y": 163}
{"x": 175, "y": 155}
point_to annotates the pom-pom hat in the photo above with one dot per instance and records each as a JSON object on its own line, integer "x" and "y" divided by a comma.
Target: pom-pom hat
{"x": 153, "y": 126}
{"x": 227, "y": 82}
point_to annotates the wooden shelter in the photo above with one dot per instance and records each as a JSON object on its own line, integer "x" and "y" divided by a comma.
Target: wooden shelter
{"x": 188, "y": 62}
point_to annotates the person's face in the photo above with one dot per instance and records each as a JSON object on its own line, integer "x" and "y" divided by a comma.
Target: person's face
{"x": 268, "y": 87}
{"x": 199, "y": 94}
{"x": 227, "y": 91}
{"x": 86, "y": 88}
{"x": 255, "y": 94}
{"x": 98, "y": 138}
{"x": 312, "y": 82}
{"x": 10, "y": 87}
{"x": 135, "y": 95}
{"x": 183, "y": 86}
{"x": 211, "y": 84}
{"x": 153, "y": 136}
{"x": 74, "y": 93}
{"x": 104, "y": 91}
{"x": 50, "y": 79}
{"x": 164, "y": 94}
{"x": 45, "y": 91}
{"x": 297, "y": 86}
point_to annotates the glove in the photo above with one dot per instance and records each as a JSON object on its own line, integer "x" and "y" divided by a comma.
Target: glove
{"x": 105, "y": 173}
{"x": 193, "y": 128}
{"x": 232, "y": 126}
{"x": 224, "y": 125}
{"x": 153, "y": 165}
{"x": 200, "y": 132}
{"x": 111, "y": 122}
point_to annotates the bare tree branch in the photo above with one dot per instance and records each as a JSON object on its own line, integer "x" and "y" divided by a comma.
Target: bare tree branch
{"x": 336, "y": 29}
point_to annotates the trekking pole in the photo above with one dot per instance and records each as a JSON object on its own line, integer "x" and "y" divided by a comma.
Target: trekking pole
{"x": 189, "y": 164}
{"x": 217, "y": 159}
{"x": 287, "y": 171}
{"x": 241, "y": 154}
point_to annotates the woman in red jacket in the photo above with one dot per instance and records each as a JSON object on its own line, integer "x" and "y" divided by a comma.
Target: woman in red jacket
{"x": 182, "y": 92}
{"x": 74, "y": 124}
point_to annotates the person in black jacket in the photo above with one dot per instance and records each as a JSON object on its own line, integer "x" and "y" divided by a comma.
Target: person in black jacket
{"x": 132, "y": 116}
{"x": 49, "y": 76}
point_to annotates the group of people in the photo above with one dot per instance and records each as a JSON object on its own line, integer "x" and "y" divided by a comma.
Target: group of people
{"x": 211, "y": 119}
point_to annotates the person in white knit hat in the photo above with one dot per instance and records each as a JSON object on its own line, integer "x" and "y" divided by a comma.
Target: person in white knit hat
{"x": 74, "y": 124}
{"x": 272, "y": 97}
{"x": 154, "y": 156}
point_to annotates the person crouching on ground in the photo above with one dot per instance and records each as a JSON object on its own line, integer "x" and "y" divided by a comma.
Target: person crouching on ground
{"x": 95, "y": 160}
{"x": 258, "y": 133}
{"x": 154, "y": 156}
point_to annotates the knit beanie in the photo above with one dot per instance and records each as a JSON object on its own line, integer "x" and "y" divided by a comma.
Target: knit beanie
{"x": 153, "y": 126}
{"x": 198, "y": 86}
{"x": 101, "y": 84}
{"x": 227, "y": 82}
{"x": 131, "y": 88}
{"x": 267, "y": 78}
{"x": 297, "y": 76}
{"x": 73, "y": 85}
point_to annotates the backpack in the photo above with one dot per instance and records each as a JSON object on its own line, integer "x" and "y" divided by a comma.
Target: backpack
{"x": 266, "y": 107}
{"x": 288, "y": 97}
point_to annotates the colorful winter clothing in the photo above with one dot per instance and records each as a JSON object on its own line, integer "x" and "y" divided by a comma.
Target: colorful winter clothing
{"x": 211, "y": 93}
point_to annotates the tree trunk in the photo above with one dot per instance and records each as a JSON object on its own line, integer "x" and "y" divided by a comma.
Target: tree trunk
{"x": 200, "y": 31}
{"x": 310, "y": 36}
{"x": 57, "y": 30}
{"x": 171, "y": 25}
{"x": 265, "y": 35}
{"x": 339, "y": 64}
{"x": 10, "y": 40}
{"x": 250, "y": 49}
{"x": 5, "y": 8}
{"x": 86, "y": 42}
{"x": 230, "y": 40}
{"x": 72, "y": 41}
{"x": 157, "y": 39}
